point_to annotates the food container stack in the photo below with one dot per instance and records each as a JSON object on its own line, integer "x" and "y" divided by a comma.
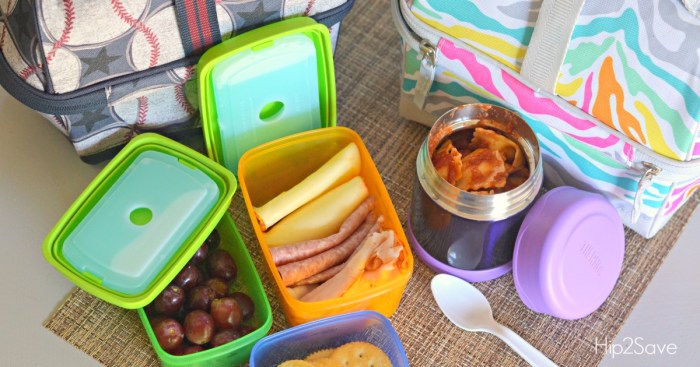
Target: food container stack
{"x": 145, "y": 234}
{"x": 327, "y": 228}
{"x": 329, "y": 233}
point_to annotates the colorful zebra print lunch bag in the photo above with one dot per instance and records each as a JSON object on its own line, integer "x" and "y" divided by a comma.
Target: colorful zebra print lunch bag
{"x": 612, "y": 88}
{"x": 103, "y": 71}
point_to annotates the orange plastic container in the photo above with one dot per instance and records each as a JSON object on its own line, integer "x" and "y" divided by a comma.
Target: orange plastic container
{"x": 272, "y": 168}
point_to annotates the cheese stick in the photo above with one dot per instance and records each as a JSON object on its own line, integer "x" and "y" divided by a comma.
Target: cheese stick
{"x": 341, "y": 167}
{"x": 289, "y": 253}
{"x": 321, "y": 217}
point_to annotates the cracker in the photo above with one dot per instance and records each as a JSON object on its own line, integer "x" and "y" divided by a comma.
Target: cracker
{"x": 323, "y": 353}
{"x": 296, "y": 363}
{"x": 325, "y": 362}
{"x": 361, "y": 354}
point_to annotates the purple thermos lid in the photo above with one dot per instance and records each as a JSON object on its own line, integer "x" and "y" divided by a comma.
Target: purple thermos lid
{"x": 568, "y": 254}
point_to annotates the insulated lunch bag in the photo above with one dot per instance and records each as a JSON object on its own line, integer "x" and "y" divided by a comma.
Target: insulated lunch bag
{"x": 104, "y": 71}
{"x": 612, "y": 88}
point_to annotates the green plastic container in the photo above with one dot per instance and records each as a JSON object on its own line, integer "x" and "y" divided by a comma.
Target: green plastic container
{"x": 98, "y": 244}
{"x": 238, "y": 351}
{"x": 140, "y": 221}
{"x": 265, "y": 84}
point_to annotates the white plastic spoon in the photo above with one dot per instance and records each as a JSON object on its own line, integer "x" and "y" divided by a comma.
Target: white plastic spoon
{"x": 467, "y": 308}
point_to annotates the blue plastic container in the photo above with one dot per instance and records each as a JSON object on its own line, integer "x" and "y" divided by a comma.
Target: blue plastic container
{"x": 332, "y": 332}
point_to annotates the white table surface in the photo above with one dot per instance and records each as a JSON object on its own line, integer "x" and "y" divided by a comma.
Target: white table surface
{"x": 41, "y": 175}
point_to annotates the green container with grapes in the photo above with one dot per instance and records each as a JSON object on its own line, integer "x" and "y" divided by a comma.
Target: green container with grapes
{"x": 151, "y": 233}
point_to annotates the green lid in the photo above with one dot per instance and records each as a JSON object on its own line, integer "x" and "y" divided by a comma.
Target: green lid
{"x": 140, "y": 221}
{"x": 265, "y": 84}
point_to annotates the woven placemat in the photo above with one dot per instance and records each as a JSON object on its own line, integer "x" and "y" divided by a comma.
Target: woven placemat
{"x": 368, "y": 63}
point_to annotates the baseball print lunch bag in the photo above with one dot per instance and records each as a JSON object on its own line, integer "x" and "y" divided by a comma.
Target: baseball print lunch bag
{"x": 105, "y": 71}
{"x": 612, "y": 88}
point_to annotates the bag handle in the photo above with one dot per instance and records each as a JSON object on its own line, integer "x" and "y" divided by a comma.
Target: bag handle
{"x": 198, "y": 23}
{"x": 549, "y": 43}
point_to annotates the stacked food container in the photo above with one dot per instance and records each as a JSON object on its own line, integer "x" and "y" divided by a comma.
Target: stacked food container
{"x": 153, "y": 225}
{"x": 141, "y": 221}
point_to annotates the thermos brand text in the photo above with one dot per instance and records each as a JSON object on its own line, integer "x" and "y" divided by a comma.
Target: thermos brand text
{"x": 592, "y": 257}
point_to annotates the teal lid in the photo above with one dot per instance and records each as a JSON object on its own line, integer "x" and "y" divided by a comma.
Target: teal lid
{"x": 249, "y": 111}
{"x": 268, "y": 83}
{"x": 134, "y": 229}
{"x": 138, "y": 223}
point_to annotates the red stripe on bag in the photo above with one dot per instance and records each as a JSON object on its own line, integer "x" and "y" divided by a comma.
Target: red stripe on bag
{"x": 192, "y": 23}
{"x": 198, "y": 24}
{"x": 204, "y": 22}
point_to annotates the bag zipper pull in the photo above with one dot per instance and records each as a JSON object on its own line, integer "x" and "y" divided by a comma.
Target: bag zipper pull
{"x": 427, "y": 73}
{"x": 649, "y": 171}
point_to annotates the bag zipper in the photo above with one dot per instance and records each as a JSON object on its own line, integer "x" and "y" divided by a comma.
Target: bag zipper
{"x": 649, "y": 172}
{"x": 428, "y": 64}
{"x": 649, "y": 164}
{"x": 78, "y": 101}
{"x": 426, "y": 46}
{"x": 95, "y": 96}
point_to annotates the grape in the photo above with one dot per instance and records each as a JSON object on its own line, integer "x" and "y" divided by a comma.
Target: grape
{"x": 169, "y": 301}
{"x": 246, "y": 329}
{"x": 226, "y": 313}
{"x": 199, "y": 327}
{"x": 224, "y": 336}
{"x": 189, "y": 277}
{"x": 192, "y": 349}
{"x": 213, "y": 240}
{"x": 180, "y": 315}
{"x": 156, "y": 320}
{"x": 221, "y": 265}
{"x": 245, "y": 303}
{"x": 218, "y": 285}
{"x": 168, "y": 332}
{"x": 196, "y": 311}
{"x": 200, "y": 255}
{"x": 150, "y": 311}
{"x": 201, "y": 298}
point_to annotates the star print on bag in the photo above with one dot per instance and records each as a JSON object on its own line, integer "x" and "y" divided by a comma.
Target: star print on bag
{"x": 98, "y": 63}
